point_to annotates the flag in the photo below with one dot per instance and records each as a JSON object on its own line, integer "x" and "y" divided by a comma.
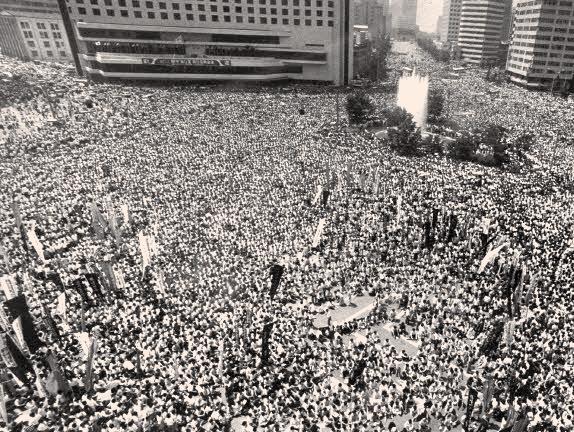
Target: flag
{"x": 56, "y": 380}
{"x": 88, "y": 379}
{"x": 276, "y": 273}
{"x": 61, "y": 306}
{"x": 17, "y": 307}
{"x": 94, "y": 283}
{"x": 49, "y": 323}
{"x": 84, "y": 341}
{"x": 9, "y": 286}
{"x": 221, "y": 359}
{"x": 16, "y": 212}
{"x": 108, "y": 274}
{"x": 399, "y": 206}
{"x": 161, "y": 282}
{"x": 17, "y": 327}
{"x": 5, "y": 257}
{"x": 319, "y": 232}
{"x": 78, "y": 286}
{"x": 3, "y": 410}
{"x": 509, "y": 330}
{"x": 14, "y": 359}
{"x": 125, "y": 213}
{"x": 98, "y": 221}
{"x": 36, "y": 244}
{"x": 488, "y": 392}
{"x": 119, "y": 276}
{"x": 317, "y": 195}
{"x": 490, "y": 256}
{"x": 144, "y": 248}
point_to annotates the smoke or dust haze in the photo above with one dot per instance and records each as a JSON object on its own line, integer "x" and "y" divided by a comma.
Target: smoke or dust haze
{"x": 428, "y": 12}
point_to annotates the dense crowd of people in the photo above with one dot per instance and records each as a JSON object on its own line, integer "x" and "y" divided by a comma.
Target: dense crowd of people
{"x": 165, "y": 251}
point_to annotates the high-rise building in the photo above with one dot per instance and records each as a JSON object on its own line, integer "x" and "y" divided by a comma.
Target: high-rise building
{"x": 480, "y": 32}
{"x": 375, "y": 14}
{"x": 37, "y": 6}
{"x": 256, "y": 40}
{"x": 541, "y": 53}
{"x": 404, "y": 17}
{"x": 450, "y": 22}
{"x": 34, "y": 35}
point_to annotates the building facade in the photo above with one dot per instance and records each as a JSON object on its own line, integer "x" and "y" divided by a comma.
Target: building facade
{"x": 481, "y": 29}
{"x": 404, "y": 17}
{"x": 36, "y": 6}
{"x": 541, "y": 53}
{"x": 34, "y": 36}
{"x": 375, "y": 14}
{"x": 450, "y": 21}
{"x": 258, "y": 40}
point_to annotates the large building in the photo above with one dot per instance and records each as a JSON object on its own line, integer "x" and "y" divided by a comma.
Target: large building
{"x": 375, "y": 14}
{"x": 37, "y": 6}
{"x": 481, "y": 29}
{"x": 404, "y": 18}
{"x": 34, "y": 36}
{"x": 541, "y": 53}
{"x": 258, "y": 40}
{"x": 450, "y": 21}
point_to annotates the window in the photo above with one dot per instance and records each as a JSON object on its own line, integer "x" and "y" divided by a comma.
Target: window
{"x": 110, "y": 12}
{"x": 330, "y": 3}
{"x": 63, "y": 54}
{"x": 188, "y": 6}
{"x": 319, "y": 3}
{"x": 307, "y": 22}
{"x": 25, "y": 25}
{"x": 251, "y": 20}
{"x": 261, "y": 2}
{"x": 201, "y": 8}
{"x": 273, "y": 20}
{"x": 149, "y": 4}
{"x": 319, "y": 13}
{"x": 273, "y": 11}
{"x": 296, "y": 3}
{"x": 250, "y": 10}
{"x": 296, "y": 12}
{"x": 41, "y": 26}
{"x": 214, "y": 18}
{"x": 137, "y": 14}
{"x": 307, "y": 3}
{"x": 296, "y": 22}
{"x": 237, "y": 9}
{"x": 28, "y": 34}
{"x": 59, "y": 44}
{"x": 96, "y": 12}
{"x": 213, "y": 8}
{"x": 31, "y": 44}
{"x": 44, "y": 35}
{"x": 163, "y": 15}
{"x": 263, "y": 20}
{"x": 227, "y": 18}
{"x": 122, "y": 3}
{"x": 262, "y": 11}
{"x": 284, "y": 12}
{"x": 93, "y": 2}
{"x": 202, "y": 18}
{"x": 225, "y": 9}
{"x": 239, "y": 19}
{"x": 189, "y": 17}
{"x": 80, "y": 1}
{"x": 162, "y": 5}
{"x": 34, "y": 53}
{"x": 150, "y": 15}
{"x": 285, "y": 21}
{"x": 307, "y": 12}
{"x": 46, "y": 44}
{"x": 49, "y": 53}
{"x": 136, "y": 3}
{"x": 58, "y": 35}
{"x": 175, "y": 6}
{"x": 319, "y": 23}
{"x": 108, "y": 2}
{"x": 330, "y": 23}
{"x": 330, "y": 14}
{"x": 284, "y": 3}
{"x": 176, "y": 16}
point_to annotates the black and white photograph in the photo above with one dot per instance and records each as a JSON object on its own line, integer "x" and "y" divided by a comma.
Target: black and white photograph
{"x": 286, "y": 216}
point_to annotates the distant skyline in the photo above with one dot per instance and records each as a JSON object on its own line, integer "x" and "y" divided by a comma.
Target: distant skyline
{"x": 428, "y": 12}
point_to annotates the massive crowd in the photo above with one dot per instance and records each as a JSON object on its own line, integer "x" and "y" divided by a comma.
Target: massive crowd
{"x": 174, "y": 245}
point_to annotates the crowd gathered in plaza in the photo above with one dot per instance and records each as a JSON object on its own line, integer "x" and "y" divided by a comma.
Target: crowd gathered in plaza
{"x": 165, "y": 252}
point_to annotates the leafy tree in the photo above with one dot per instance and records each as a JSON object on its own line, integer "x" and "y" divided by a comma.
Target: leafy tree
{"x": 359, "y": 107}
{"x": 432, "y": 144}
{"x": 464, "y": 147}
{"x": 429, "y": 46}
{"x": 405, "y": 138}
{"x": 436, "y": 103}
{"x": 493, "y": 136}
{"x": 394, "y": 116}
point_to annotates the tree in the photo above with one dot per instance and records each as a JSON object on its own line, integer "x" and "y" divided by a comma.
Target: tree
{"x": 464, "y": 147}
{"x": 405, "y": 138}
{"x": 394, "y": 116}
{"x": 359, "y": 107}
{"x": 436, "y": 102}
{"x": 432, "y": 144}
{"x": 493, "y": 136}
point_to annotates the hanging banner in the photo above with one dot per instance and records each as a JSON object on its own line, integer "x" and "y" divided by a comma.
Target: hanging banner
{"x": 490, "y": 256}
{"x": 9, "y": 286}
{"x": 319, "y": 232}
{"x": 33, "y": 238}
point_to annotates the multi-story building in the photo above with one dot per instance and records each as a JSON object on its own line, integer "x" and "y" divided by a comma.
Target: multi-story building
{"x": 38, "y": 6}
{"x": 450, "y": 22}
{"x": 375, "y": 14}
{"x": 481, "y": 29}
{"x": 404, "y": 17}
{"x": 214, "y": 39}
{"x": 541, "y": 53}
{"x": 34, "y": 36}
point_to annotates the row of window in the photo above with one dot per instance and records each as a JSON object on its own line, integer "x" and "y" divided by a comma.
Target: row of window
{"x": 49, "y": 53}
{"x": 213, "y": 9}
{"x": 188, "y": 6}
{"x": 216, "y": 18}
{"x": 40, "y": 25}
{"x": 43, "y": 34}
